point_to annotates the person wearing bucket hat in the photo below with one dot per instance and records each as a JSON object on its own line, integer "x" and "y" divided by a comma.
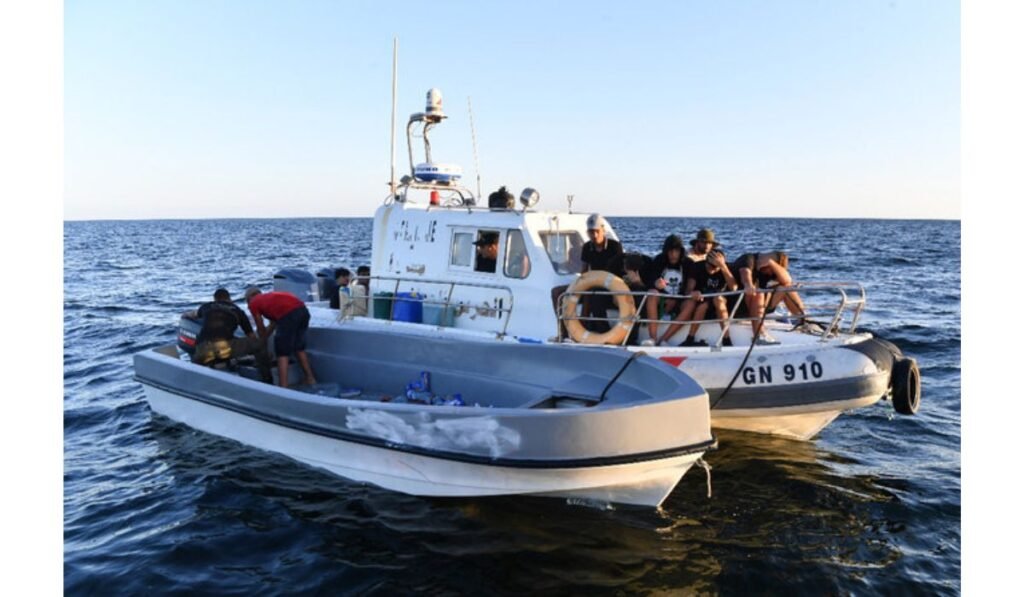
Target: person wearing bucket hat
{"x": 701, "y": 245}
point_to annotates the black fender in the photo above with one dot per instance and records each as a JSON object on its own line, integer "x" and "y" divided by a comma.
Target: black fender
{"x": 906, "y": 386}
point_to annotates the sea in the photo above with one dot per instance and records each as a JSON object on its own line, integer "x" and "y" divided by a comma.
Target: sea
{"x": 870, "y": 506}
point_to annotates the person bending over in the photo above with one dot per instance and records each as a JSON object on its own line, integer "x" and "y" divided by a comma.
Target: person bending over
{"x": 760, "y": 271}
{"x": 217, "y": 341}
{"x": 290, "y": 318}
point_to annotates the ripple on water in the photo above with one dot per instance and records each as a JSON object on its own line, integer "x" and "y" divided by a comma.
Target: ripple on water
{"x": 871, "y": 506}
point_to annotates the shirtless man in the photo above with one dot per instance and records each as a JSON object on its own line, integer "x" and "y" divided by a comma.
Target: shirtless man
{"x": 760, "y": 271}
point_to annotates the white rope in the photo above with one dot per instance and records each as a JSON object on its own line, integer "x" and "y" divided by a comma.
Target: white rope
{"x": 707, "y": 469}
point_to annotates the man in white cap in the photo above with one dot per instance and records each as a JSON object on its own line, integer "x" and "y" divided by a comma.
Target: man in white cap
{"x": 600, "y": 253}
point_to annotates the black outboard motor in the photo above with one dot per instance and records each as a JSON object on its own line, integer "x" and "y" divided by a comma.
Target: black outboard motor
{"x": 298, "y": 282}
{"x": 188, "y": 331}
{"x": 326, "y": 283}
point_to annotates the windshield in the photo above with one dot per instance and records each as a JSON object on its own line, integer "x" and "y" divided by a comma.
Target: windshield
{"x": 564, "y": 250}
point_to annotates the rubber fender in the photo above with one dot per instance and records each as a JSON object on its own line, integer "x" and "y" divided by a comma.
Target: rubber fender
{"x": 906, "y": 386}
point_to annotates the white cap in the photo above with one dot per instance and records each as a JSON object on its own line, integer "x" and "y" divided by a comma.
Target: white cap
{"x": 595, "y": 221}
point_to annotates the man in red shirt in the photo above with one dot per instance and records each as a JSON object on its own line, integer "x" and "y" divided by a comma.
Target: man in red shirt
{"x": 289, "y": 316}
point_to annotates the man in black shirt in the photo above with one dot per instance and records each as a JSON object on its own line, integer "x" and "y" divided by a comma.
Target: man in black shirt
{"x": 709, "y": 276}
{"x": 600, "y": 253}
{"x": 487, "y": 252}
{"x": 216, "y": 339}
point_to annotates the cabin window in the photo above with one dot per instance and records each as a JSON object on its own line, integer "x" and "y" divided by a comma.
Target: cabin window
{"x": 462, "y": 249}
{"x": 486, "y": 251}
{"x": 517, "y": 260}
{"x": 564, "y": 250}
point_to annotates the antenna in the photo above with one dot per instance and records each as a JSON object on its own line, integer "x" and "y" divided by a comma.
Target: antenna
{"x": 394, "y": 107}
{"x": 476, "y": 159}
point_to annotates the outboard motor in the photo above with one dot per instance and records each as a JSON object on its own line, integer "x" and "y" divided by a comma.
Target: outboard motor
{"x": 298, "y": 282}
{"x": 188, "y": 331}
{"x": 326, "y": 284}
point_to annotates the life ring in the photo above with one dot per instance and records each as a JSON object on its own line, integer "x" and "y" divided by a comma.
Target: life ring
{"x": 906, "y": 386}
{"x": 627, "y": 310}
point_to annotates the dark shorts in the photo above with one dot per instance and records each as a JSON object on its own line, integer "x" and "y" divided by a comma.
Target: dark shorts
{"x": 290, "y": 336}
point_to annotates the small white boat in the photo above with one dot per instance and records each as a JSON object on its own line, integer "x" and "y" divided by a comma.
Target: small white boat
{"x": 591, "y": 424}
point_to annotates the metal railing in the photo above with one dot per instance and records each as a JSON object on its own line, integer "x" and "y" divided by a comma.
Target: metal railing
{"x": 503, "y": 312}
{"x": 833, "y": 312}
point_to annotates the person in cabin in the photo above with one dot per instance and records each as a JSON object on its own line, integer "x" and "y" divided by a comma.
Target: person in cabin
{"x": 665, "y": 276}
{"x": 756, "y": 271}
{"x": 599, "y": 253}
{"x": 486, "y": 252}
{"x": 710, "y": 276}
{"x": 289, "y": 316}
{"x": 217, "y": 341}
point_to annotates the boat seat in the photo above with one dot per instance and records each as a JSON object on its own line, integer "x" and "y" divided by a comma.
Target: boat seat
{"x": 585, "y": 386}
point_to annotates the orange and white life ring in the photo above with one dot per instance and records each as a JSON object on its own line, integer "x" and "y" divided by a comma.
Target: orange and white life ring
{"x": 627, "y": 309}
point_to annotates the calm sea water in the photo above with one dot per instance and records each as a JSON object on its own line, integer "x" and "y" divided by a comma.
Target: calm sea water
{"x": 871, "y": 506}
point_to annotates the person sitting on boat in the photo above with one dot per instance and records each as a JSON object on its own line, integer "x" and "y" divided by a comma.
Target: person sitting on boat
{"x": 363, "y": 277}
{"x": 600, "y": 253}
{"x": 761, "y": 271}
{"x": 664, "y": 277}
{"x": 711, "y": 276}
{"x": 351, "y": 298}
{"x": 701, "y": 246}
{"x": 290, "y": 317}
{"x": 633, "y": 265}
{"x": 487, "y": 252}
{"x": 342, "y": 277}
{"x": 217, "y": 341}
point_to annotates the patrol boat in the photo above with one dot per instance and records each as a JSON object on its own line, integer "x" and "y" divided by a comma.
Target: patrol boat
{"x": 430, "y": 280}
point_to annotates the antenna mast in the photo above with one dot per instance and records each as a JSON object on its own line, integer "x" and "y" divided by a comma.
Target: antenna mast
{"x": 476, "y": 159}
{"x": 394, "y": 108}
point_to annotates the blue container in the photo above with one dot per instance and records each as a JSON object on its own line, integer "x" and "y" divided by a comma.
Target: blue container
{"x": 408, "y": 307}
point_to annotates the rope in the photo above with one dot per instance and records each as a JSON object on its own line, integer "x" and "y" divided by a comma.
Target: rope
{"x": 707, "y": 471}
{"x": 629, "y": 361}
{"x": 753, "y": 342}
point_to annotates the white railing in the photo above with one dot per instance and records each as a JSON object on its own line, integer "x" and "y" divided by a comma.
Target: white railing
{"x": 834, "y": 311}
{"x": 447, "y": 288}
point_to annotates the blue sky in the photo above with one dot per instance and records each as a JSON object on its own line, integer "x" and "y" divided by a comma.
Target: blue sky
{"x": 191, "y": 109}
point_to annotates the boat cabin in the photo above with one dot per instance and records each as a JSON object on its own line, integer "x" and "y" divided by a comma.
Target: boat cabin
{"x": 495, "y": 270}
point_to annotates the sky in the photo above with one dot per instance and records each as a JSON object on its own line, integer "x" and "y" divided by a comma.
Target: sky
{"x": 242, "y": 108}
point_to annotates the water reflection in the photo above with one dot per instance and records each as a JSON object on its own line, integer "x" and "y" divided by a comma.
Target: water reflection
{"x": 782, "y": 514}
